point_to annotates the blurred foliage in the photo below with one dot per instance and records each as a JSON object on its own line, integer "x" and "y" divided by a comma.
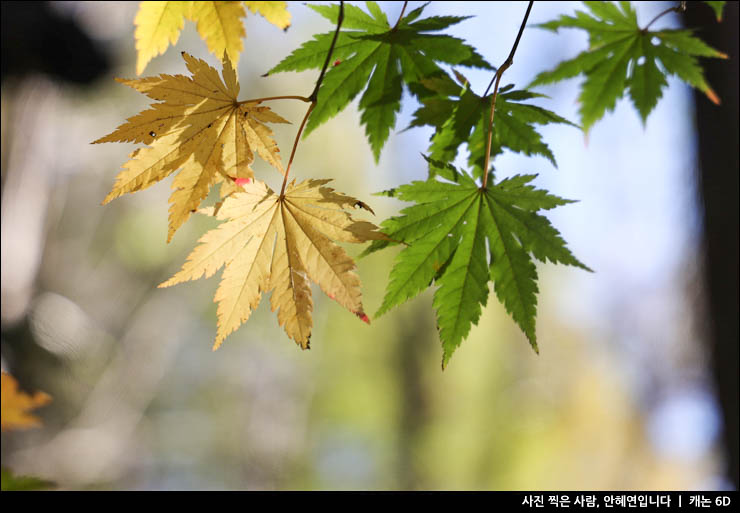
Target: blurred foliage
{"x": 16, "y": 405}
{"x": 13, "y": 483}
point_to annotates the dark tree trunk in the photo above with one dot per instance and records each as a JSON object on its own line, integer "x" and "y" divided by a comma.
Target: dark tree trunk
{"x": 717, "y": 128}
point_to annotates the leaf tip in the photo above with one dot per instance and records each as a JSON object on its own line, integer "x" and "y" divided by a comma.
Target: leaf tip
{"x": 533, "y": 343}
{"x": 363, "y": 316}
{"x": 712, "y": 96}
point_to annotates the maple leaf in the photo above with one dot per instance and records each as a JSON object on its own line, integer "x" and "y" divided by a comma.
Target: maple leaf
{"x": 274, "y": 12}
{"x": 17, "y": 404}
{"x": 280, "y": 243}
{"x": 378, "y": 59}
{"x": 158, "y": 24}
{"x": 622, "y": 56}
{"x": 198, "y": 127}
{"x": 455, "y": 119}
{"x": 453, "y": 231}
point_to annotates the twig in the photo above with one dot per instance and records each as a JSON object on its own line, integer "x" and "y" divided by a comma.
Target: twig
{"x": 400, "y": 16}
{"x": 313, "y": 96}
{"x": 340, "y": 19}
{"x": 679, "y": 8}
{"x": 497, "y": 78}
{"x": 269, "y": 98}
{"x": 295, "y": 146}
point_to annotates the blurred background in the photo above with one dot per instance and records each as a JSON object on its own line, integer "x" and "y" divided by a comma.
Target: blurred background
{"x": 633, "y": 388}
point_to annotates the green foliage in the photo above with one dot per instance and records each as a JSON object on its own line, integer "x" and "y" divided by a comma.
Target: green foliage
{"x": 622, "y": 56}
{"x": 455, "y": 119}
{"x": 461, "y": 236}
{"x": 377, "y": 58}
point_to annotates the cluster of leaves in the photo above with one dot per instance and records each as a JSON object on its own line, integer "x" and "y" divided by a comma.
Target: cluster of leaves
{"x": 459, "y": 116}
{"x": 622, "y": 57}
{"x": 378, "y": 59}
{"x": 202, "y": 130}
{"x": 464, "y": 231}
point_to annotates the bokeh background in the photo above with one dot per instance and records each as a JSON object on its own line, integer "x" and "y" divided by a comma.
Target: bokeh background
{"x": 623, "y": 395}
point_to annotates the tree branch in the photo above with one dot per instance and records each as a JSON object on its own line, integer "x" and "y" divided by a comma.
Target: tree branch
{"x": 269, "y": 98}
{"x": 312, "y": 97}
{"x": 679, "y": 8}
{"x": 400, "y": 17}
{"x": 340, "y": 19}
{"x": 497, "y": 78}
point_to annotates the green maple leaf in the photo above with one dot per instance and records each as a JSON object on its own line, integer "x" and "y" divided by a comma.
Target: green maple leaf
{"x": 452, "y": 233}
{"x": 377, "y": 58}
{"x": 622, "y": 56}
{"x": 513, "y": 124}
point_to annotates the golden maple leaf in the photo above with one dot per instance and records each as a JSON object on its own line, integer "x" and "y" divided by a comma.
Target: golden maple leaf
{"x": 158, "y": 24}
{"x": 274, "y": 12}
{"x": 278, "y": 243}
{"x": 198, "y": 126}
{"x": 16, "y": 404}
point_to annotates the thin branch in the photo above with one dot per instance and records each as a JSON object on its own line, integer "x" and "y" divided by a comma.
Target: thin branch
{"x": 295, "y": 146}
{"x": 679, "y": 8}
{"x": 510, "y": 59}
{"x": 497, "y": 78}
{"x": 400, "y": 17}
{"x": 340, "y": 19}
{"x": 269, "y": 98}
{"x": 313, "y": 97}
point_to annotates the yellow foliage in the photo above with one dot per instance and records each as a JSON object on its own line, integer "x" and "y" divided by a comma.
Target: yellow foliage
{"x": 158, "y": 24}
{"x": 278, "y": 243}
{"x": 199, "y": 127}
{"x": 16, "y": 405}
{"x": 274, "y": 12}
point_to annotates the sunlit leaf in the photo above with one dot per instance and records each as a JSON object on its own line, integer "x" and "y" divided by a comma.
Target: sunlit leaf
{"x": 198, "y": 127}
{"x": 280, "y": 244}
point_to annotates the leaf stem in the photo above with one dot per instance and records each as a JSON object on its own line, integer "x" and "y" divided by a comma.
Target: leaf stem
{"x": 340, "y": 19}
{"x": 312, "y": 97}
{"x": 295, "y": 146}
{"x": 400, "y": 17}
{"x": 269, "y": 98}
{"x": 679, "y": 8}
{"x": 497, "y": 78}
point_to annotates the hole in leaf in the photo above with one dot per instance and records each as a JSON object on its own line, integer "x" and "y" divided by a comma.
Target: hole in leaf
{"x": 152, "y": 134}
{"x": 641, "y": 61}
{"x": 655, "y": 41}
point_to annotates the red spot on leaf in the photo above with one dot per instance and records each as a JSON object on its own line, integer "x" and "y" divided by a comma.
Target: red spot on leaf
{"x": 242, "y": 181}
{"x": 331, "y": 296}
{"x": 363, "y": 316}
{"x": 337, "y": 62}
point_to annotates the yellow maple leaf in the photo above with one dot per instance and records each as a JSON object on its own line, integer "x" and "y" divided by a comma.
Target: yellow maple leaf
{"x": 198, "y": 127}
{"x": 274, "y": 12}
{"x": 278, "y": 243}
{"x": 158, "y": 25}
{"x": 16, "y": 405}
